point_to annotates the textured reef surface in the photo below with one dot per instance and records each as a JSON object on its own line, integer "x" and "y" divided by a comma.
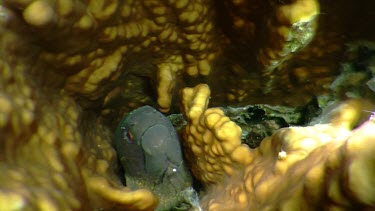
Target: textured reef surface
{"x": 328, "y": 165}
{"x": 71, "y": 69}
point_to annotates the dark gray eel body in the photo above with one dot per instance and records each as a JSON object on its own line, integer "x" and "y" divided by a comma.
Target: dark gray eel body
{"x": 150, "y": 154}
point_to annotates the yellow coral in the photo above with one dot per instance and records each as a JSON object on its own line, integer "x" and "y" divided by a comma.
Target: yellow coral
{"x": 106, "y": 33}
{"x": 292, "y": 28}
{"x": 331, "y": 165}
{"x": 99, "y": 42}
{"x": 55, "y": 155}
{"x": 211, "y": 159}
{"x": 52, "y": 158}
{"x": 38, "y": 13}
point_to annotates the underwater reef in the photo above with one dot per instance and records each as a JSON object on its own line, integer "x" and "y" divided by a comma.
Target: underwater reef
{"x": 71, "y": 70}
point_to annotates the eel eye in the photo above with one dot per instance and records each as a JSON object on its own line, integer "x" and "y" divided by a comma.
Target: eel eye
{"x": 128, "y": 136}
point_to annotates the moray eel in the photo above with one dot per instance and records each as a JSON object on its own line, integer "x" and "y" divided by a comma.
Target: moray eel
{"x": 150, "y": 153}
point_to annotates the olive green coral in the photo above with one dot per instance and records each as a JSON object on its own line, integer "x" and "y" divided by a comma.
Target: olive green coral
{"x": 66, "y": 67}
{"x": 101, "y": 35}
{"x": 99, "y": 42}
{"x": 52, "y": 157}
{"x": 326, "y": 165}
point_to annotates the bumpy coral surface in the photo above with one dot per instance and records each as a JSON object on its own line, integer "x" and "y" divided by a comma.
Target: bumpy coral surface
{"x": 53, "y": 157}
{"x": 45, "y": 163}
{"x": 116, "y": 55}
{"x": 101, "y": 35}
{"x": 324, "y": 166}
{"x": 95, "y": 48}
{"x": 68, "y": 66}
